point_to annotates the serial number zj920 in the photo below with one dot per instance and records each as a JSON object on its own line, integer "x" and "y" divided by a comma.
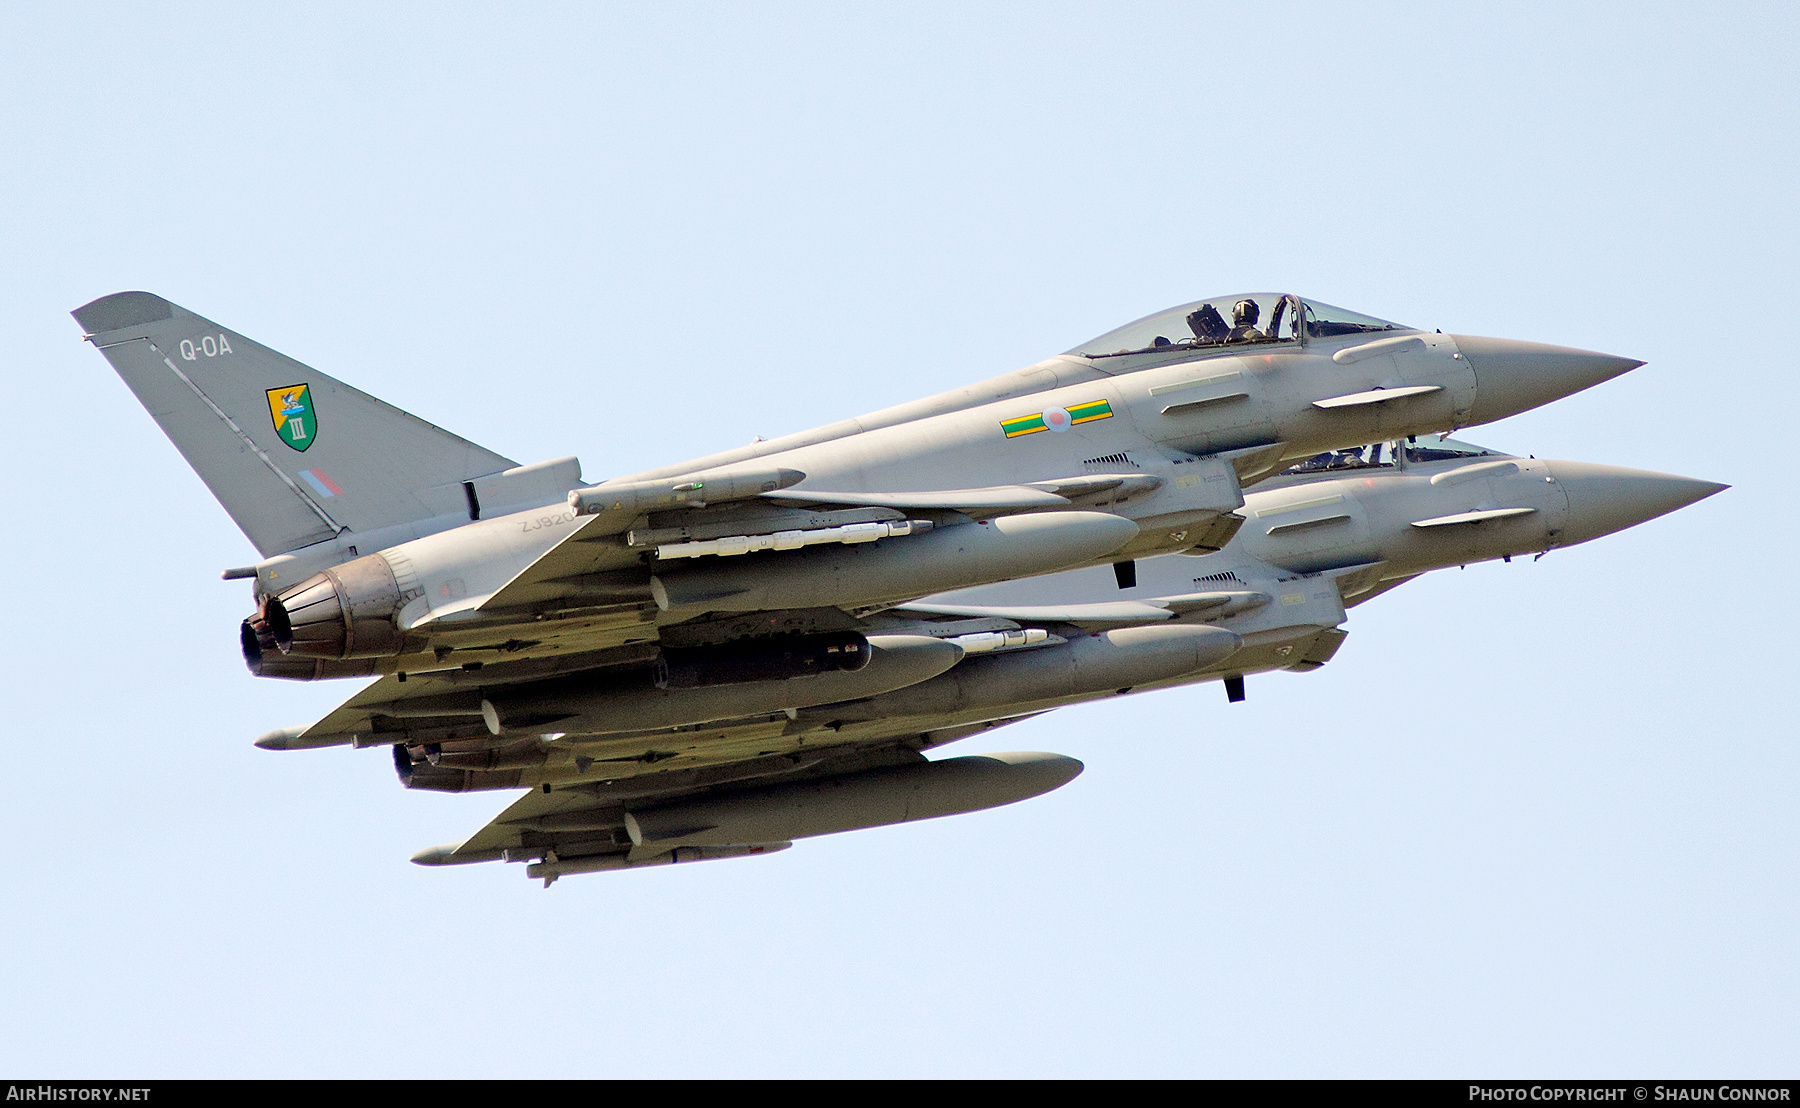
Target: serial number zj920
{"x": 542, "y": 522}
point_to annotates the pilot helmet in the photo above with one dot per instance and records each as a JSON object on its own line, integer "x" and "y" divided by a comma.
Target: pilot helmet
{"x": 1245, "y": 311}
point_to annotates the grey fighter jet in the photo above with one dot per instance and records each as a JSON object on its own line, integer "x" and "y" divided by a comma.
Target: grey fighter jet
{"x": 501, "y": 603}
{"x": 1325, "y": 535}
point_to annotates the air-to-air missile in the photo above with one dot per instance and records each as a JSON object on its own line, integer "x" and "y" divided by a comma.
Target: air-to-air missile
{"x": 1324, "y": 536}
{"x": 499, "y": 604}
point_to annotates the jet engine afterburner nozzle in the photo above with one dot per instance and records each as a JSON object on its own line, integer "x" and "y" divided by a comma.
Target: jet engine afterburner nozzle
{"x": 346, "y": 611}
{"x": 267, "y": 630}
{"x": 776, "y": 659}
{"x": 251, "y": 644}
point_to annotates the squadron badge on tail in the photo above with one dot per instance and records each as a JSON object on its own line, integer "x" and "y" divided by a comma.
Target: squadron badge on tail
{"x": 295, "y": 421}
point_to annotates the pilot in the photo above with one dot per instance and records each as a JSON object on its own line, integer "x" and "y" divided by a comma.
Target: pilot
{"x": 1244, "y": 315}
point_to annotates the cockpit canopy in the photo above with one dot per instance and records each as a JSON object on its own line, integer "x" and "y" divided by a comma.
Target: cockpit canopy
{"x": 1240, "y": 320}
{"x": 1416, "y": 448}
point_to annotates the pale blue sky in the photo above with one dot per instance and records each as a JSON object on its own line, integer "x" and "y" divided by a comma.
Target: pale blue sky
{"x": 1535, "y": 819}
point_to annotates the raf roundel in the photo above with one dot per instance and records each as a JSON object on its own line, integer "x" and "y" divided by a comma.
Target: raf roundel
{"x": 1056, "y": 419}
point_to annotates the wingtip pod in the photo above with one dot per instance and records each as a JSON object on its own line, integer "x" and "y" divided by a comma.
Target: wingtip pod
{"x": 279, "y": 739}
{"x": 122, "y": 310}
{"x": 292, "y": 738}
{"x": 442, "y": 855}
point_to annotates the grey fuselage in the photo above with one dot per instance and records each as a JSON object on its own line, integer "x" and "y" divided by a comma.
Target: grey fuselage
{"x": 1189, "y": 427}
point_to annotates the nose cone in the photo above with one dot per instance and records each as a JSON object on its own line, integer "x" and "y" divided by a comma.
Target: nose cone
{"x": 1513, "y": 376}
{"x": 1604, "y": 499}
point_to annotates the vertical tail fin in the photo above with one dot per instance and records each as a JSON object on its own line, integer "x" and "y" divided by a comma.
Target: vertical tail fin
{"x": 294, "y": 455}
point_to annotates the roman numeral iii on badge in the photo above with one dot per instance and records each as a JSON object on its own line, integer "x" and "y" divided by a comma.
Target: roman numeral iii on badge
{"x": 291, "y": 408}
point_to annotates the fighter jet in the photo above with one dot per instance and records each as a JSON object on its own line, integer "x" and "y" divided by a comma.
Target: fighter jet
{"x": 500, "y": 603}
{"x": 1328, "y": 534}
